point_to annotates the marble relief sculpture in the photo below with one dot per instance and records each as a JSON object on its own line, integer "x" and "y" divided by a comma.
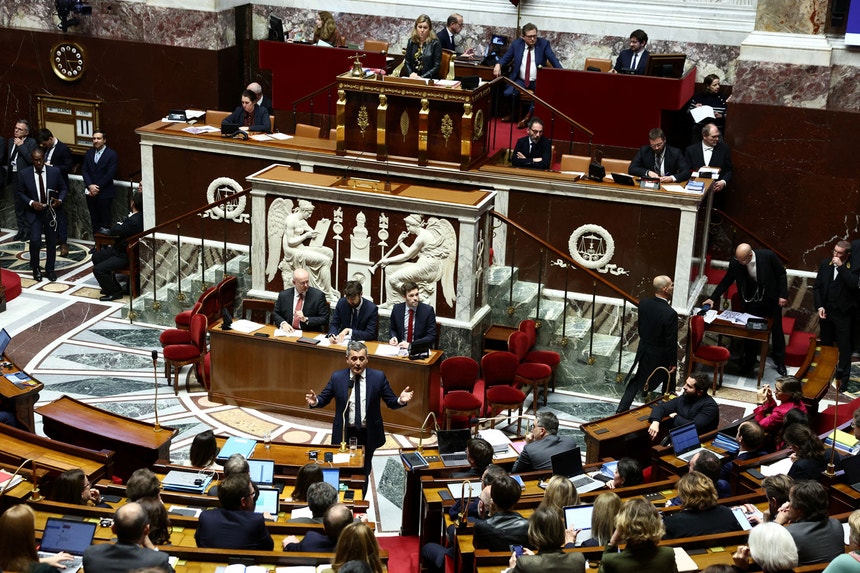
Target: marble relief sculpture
{"x": 288, "y": 228}
{"x": 430, "y": 258}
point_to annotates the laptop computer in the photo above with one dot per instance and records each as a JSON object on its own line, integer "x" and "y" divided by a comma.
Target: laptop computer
{"x": 579, "y": 517}
{"x": 229, "y": 128}
{"x": 685, "y": 442}
{"x": 851, "y": 465}
{"x": 452, "y": 446}
{"x": 67, "y": 535}
{"x": 263, "y": 474}
{"x": 190, "y": 482}
{"x": 569, "y": 464}
{"x": 268, "y": 502}
{"x": 623, "y": 179}
{"x": 5, "y": 339}
{"x": 177, "y": 115}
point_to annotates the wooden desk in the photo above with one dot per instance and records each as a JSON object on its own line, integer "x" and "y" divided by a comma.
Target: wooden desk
{"x": 136, "y": 443}
{"x": 275, "y": 374}
{"x": 817, "y": 377}
{"x": 720, "y": 326}
{"x": 18, "y": 445}
{"x": 666, "y": 463}
{"x": 496, "y": 337}
{"x": 622, "y": 435}
{"x": 22, "y": 399}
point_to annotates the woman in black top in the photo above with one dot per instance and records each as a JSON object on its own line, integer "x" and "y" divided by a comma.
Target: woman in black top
{"x": 423, "y": 52}
{"x": 710, "y": 95}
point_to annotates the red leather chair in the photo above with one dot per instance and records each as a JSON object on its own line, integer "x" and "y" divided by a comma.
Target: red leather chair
{"x": 500, "y": 394}
{"x": 178, "y": 355}
{"x": 532, "y": 374}
{"x": 460, "y": 379}
{"x": 548, "y": 357}
{"x": 715, "y": 356}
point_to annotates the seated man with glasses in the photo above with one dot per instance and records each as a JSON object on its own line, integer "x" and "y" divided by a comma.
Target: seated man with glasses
{"x": 234, "y": 525}
{"x": 533, "y": 151}
{"x": 543, "y": 443}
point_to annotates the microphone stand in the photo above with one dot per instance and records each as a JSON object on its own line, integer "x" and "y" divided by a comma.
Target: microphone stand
{"x": 343, "y": 447}
{"x": 831, "y": 466}
{"x": 157, "y": 426}
{"x": 16, "y": 472}
{"x": 423, "y": 427}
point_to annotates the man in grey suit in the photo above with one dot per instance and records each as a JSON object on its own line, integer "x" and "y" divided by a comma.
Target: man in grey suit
{"x": 132, "y": 549}
{"x": 543, "y": 442}
{"x": 301, "y": 307}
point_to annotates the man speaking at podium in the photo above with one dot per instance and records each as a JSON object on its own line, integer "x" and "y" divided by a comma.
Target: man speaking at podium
{"x": 365, "y": 387}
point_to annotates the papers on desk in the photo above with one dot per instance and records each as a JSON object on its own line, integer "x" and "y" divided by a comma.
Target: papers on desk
{"x": 683, "y": 560}
{"x": 710, "y": 316}
{"x": 285, "y": 334}
{"x": 383, "y": 349}
{"x": 240, "y": 568}
{"x": 191, "y": 115}
{"x": 497, "y": 439}
{"x": 245, "y": 326}
{"x": 198, "y": 129}
{"x": 577, "y": 175}
{"x": 262, "y": 137}
{"x": 456, "y": 488}
{"x": 340, "y": 458}
{"x": 778, "y": 468}
{"x": 737, "y": 317}
{"x": 280, "y": 136}
{"x": 301, "y": 568}
{"x": 674, "y": 187}
{"x": 447, "y": 83}
{"x": 7, "y": 481}
{"x": 702, "y": 112}
{"x": 301, "y": 512}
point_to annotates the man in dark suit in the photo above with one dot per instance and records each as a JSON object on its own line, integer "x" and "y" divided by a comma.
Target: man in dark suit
{"x": 301, "y": 307}
{"x": 659, "y": 161}
{"x": 542, "y": 443}
{"x": 354, "y": 316}
{"x": 525, "y": 56}
{"x": 58, "y": 154}
{"x": 234, "y": 525}
{"x": 249, "y": 115}
{"x": 658, "y": 343}
{"x": 99, "y": 169}
{"x": 762, "y": 285}
{"x": 335, "y": 519}
{"x": 110, "y": 259}
{"x": 18, "y": 152}
{"x": 366, "y": 387}
{"x": 711, "y": 152}
{"x": 633, "y": 60}
{"x": 449, "y": 36}
{"x": 42, "y": 190}
{"x": 750, "y": 439}
{"x": 417, "y": 326}
{"x": 835, "y": 293}
{"x": 533, "y": 151}
{"x": 694, "y": 405}
{"x": 132, "y": 550}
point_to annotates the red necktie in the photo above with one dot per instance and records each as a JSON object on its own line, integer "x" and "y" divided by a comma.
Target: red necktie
{"x": 299, "y": 304}
{"x": 527, "y": 79}
{"x": 409, "y": 326}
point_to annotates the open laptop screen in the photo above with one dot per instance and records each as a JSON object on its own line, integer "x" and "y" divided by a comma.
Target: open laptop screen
{"x": 332, "y": 477}
{"x": 267, "y": 502}
{"x": 567, "y": 464}
{"x": 579, "y": 517}
{"x": 262, "y": 471}
{"x": 67, "y": 535}
{"x": 453, "y": 441}
{"x": 684, "y": 439}
{"x": 5, "y": 339}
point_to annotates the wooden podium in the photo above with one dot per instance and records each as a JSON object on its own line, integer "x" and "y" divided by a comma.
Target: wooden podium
{"x": 398, "y": 117}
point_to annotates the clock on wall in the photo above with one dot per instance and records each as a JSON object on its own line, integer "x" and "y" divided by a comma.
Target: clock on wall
{"x": 68, "y": 61}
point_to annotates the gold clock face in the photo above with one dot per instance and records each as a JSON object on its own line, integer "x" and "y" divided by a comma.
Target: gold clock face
{"x": 68, "y": 61}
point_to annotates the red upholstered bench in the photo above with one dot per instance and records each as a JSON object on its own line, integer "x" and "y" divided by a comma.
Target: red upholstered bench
{"x": 11, "y": 286}
{"x": 798, "y": 344}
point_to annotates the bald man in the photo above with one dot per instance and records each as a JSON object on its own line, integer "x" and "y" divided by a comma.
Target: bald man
{"x": 763, "y": 288}
{"x": 301, "y": 307}
{"x": 262, "y": 101}
{"x": 658, "y": 343}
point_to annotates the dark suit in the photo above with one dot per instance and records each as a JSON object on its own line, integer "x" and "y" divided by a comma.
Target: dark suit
{"x": 838, "y": 297}
{"x": 500, "y": 531}
{"x": 703, "y": 411}
{"x": 726, "y": 469}
{"x": 101, "y": 174}
{"x": 364, "y": 322}
{"x": 538, "y": 455}
{"x": 674, "y": 163}
{"x": 658, "y": 346}
{"x": 541, "y": 54}
{"x": 39, "y": 222}
{"x": 721, "y": 157}
{"x": 60, "y": 156}
{"x": 761, "y": 297}
{"x": 122, "y": 558}
{"x": 110, "y": 259}
{"x": 423, "y": 327}
{"x": 260, "y": 121}
{"x": 313, "y": 542}
{"x": 692, "y": 523}
{"x": 445, "y": 40}
{"x": 538, "y": 157}
{"x": 376, "y": 389}
{"x": 232, "y": 529}
{"x": 548, "y": 560}
{"x": 23, "y": 160}
{"x": 625, "y": 59}
{"x": 428, "y": 62}
{"x": 315, "y": 309}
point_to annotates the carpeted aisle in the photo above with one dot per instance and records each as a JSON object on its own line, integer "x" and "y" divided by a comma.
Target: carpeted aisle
{"x": 402, "y": 553}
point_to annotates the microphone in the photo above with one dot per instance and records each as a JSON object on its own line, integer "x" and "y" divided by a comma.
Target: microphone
{"x": 343, "y": 447}
{"x": 345, "y": 177}
{"x": 157, "y": 427}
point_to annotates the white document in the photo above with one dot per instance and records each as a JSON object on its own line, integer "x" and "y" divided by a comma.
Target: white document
{"x": 456, "y": 488}
{"x": 280, "y": 136}
{"x": 197, "y": 130}
{"x": 284, "y": 333}
{"x": 675, "y": 187}
{"x": 778, "y": 468}
{"x": 387, "y": 350}
{"x": 576, "y": 174}
{"x": 340, "y": 458}
{"x": 262, "y": 137}
{"x": 710, "y": 316}
{"x": 737, "y": 317}
{"x": 301, "y": 512}
{"x": 684, "y": 561}
{"x": 702, "y": 112}
{"x": 245, "y": 326}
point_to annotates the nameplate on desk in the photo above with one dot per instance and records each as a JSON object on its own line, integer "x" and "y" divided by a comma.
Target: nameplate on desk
{"x": 601, "y": 431}
{"x": 652, "y": 184}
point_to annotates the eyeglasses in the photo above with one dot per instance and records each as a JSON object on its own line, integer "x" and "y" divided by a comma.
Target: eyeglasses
{"x": 536, "y": 131}
{"x": 531, "y": 37}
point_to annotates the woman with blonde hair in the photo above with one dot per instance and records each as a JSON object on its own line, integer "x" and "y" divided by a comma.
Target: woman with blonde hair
{"x": 18, "y": 543}
{"x": 326, "y": 30}
{"x": 849, "y": 562}
{"x": 606, "y": 508}
{"x": 357, "y": 542}
{"x": 700, "y": 514}
{"x": 423, "y": 51}
{"x": 639, "y": 526}
{"x": 560, "y": 493}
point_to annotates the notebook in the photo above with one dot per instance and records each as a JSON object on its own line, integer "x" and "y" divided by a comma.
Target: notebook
{"x": 452, "y": 446}
{"x": 191, "y": 482}
{"x": 579, "y": 517}
{"x": 268, "y": 502}
{"x": 5, "y": 339}
{"x": 569, "y": 464}
{"x": 70, "y": 536}
{"x": 235, "y": 445}
{"x": 685, "y": 442}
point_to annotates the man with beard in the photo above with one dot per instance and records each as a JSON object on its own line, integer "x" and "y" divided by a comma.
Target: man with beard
{"x": 694, "y": 405}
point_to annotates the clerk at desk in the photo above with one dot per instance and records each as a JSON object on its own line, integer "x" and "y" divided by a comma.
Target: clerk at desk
{"x": 301, "y": 307}
{"x": 249, "y": 115}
